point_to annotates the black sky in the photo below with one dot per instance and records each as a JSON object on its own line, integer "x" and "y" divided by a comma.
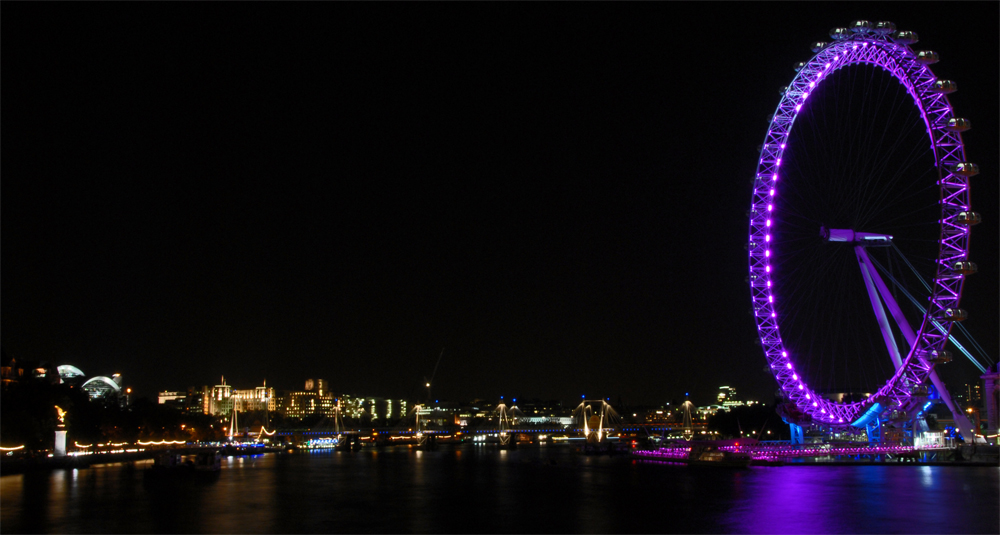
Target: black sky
{"x": 555, "y": 193}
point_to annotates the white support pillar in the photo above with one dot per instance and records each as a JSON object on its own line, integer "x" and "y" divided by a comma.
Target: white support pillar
{"x": 992, "y": 395}
{"x": 873, "y": 281}
{"x": 883, "y": 321}
{"x": 60, "y": 443}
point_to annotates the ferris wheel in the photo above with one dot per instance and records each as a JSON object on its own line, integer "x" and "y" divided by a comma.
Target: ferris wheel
{"x": 859, "y": 230}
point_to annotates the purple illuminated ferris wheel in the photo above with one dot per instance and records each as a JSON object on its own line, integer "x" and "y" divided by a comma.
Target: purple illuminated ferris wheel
{"x": 859, "y": 230}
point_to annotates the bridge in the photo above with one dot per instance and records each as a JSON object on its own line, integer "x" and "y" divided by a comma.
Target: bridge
{"x": 596, "y": 422}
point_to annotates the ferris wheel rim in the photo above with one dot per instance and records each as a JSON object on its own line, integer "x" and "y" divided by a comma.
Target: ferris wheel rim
{"x": 863, "y": 46}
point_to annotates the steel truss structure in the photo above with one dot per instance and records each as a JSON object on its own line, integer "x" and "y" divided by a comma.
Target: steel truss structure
{"x": 881, "y": 46}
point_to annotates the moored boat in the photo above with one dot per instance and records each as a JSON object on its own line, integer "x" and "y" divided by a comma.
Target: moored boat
{"x": 710, "y": 454}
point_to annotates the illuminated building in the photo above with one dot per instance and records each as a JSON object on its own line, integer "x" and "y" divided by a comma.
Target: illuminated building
{"x": 320, "y": 386}
{"x": 710, "y": 410}
{"x": 70, "y": 374}
{"x": 439, "y": 414}
{"x": 315, "y": 399}
{"x": 103, "y": 388}
{"x": 261, "y": 398}
{"x": 177, "y": 400}
{"x": 196, "y": 400}
{"x": 973, "y": 394}
{"x": 727, "y": 397}
{"x": 193, "y": 400}
{"x": 382, "y": 410}
{"x": 659, "y": 416}
{"x": 14, "y": 370}
{"x": 538, "y": 407}
{"x": 221, "y": 400}
{"x": 300, "y": 404}
{"x": 206, "y": 400}
{"x": 10, "y": 370}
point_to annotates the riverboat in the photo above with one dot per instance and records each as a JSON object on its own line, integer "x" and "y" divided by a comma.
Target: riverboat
{"x": 171, "y": 464}
{"x": 208, "y": 462}
{"x": 709, "y": 454}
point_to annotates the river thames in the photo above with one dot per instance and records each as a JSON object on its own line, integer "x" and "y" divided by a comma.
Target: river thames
{"x": 480, "y": 489}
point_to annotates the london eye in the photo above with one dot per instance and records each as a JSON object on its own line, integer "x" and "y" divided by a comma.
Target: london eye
{"x": 859, "y": 231}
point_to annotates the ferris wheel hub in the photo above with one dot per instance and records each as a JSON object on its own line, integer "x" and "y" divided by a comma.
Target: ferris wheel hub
{"x": 864, "y": 239}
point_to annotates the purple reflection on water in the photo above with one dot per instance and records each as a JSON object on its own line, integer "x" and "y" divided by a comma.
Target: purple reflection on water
{"x": 861, "y": 499}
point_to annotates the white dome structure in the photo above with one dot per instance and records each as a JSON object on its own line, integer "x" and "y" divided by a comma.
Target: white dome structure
{"x": 69, "y": 373}
{"x": 101, "y": 387}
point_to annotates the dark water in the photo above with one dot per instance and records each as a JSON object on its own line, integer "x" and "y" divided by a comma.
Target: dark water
{"x": 480, "y": 489}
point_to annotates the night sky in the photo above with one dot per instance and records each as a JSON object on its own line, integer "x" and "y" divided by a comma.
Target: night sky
{"x": 556, "y": 194}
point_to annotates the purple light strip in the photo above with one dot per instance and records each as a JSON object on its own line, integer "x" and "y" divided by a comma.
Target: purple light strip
{"x": 757, "y": 451}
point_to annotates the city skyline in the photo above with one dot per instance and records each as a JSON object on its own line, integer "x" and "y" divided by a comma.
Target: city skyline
{"x": 556, "y": 197}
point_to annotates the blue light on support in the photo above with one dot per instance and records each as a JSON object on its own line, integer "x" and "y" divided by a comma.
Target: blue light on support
{"x": 868, "y": 416}
{"x": 797, "y": 434}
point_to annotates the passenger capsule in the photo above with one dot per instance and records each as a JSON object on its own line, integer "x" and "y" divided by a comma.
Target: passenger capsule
{"x": 919, "y": 390}
{"x": 885, "y": 27}
{"x": 927, "y": 57}
{"x": 958, "y": 124}
{"x": 933, "y": 356}
{"x": 839, "y": 34}
{"x": 861, "y": 26}
{"x": 964, "y": 168}
{"x": 817, "y": 46}
{"x": 965, "y": 268}
{"x": 944, "y": 87}
{"x": 798, "y": 66}
{"x": 782, "y": 89}
{"x": 954, "y": 314}
{"x": 907, "y": 38}
{"x": 968, "y": 218}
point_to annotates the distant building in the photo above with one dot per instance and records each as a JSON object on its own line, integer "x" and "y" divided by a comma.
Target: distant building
{"x": 315, "y": 399}
{"x": 537, "y": 407}
{"x": 261, "y": 398}
{"x": 973, "y": 395}
{"x": 176, "y": 400}
{"x": 103, "y": 388}
{"x": 220, "y": 402}
{"x": 727, "y": 397}
{"x": 711, "y": 410}
{"x": 381, "y": 410}
{"x": 70, "y": 375}
{"x": 14, "y": 371}
{"x": 320, "y": 386}
{"x": 11, "y": 370}
{"x": 302, "y": 403}
{"x": 197, "y": 400}
{"x": 659, "y": 416}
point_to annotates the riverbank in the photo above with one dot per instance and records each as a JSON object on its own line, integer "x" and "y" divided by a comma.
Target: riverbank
{"x": 23, "y": 463}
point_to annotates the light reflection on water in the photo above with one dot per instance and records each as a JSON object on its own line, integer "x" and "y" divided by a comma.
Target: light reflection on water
{"x": 480, "y": 489}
